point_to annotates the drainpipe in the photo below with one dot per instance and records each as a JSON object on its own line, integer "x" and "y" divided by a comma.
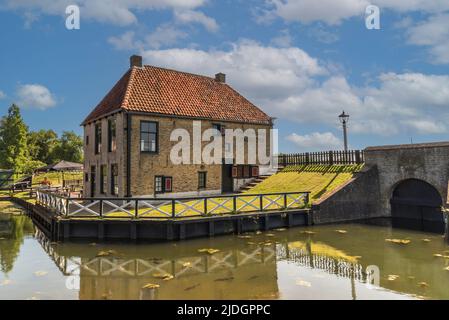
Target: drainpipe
{"x": 128, "y": 155}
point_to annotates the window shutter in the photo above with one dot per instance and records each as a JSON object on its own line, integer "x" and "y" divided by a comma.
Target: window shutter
{"x": 235, "y": 172}
{"x": 254, "y": 171}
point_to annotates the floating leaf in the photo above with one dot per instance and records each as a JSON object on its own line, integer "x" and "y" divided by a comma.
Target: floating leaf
{"x": 187, "y": 265}
{"x": 308, "y": 232}
{"x": 209, "y": 251}
{"x": 341, "y": 231}
{"x": 423, "y": 284}
{"x": 280, "y": 229}
{"x": 258, "y": 232}
{"x": 40, "y": 273}
{"x": 251, "y": 243}
{"x": 192, "y": 287}
{"x": 399, "y": 241}
{"x": 411, "y": 277}
{"x": 107, "y": 253}
{"x": 224, "y": 279}
{"x": 244, "y": 237}
{"x": 426, "y": 240}
{"x": 267, "y": 244}
{"x": 151, "y": 286}
{"x": 163, "y": 276}
{"x": 392, "y": 277}
{"x": 270, "y": 235}
{"x": 300, "y": 282}
{"x": 447, "y": 268}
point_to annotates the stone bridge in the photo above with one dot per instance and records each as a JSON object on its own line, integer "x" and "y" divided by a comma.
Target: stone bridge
{"x": 403, "y": 182}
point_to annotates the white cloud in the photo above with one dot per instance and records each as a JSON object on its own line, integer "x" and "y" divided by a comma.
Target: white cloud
{"x": 35, "y": 96}
{"x": 164, "y": 35}
{"x": 110, "y": 11}
{"x": 191, "y": 16}
{"x": 283, "y": 40}
{"x": 2, "y": 95}
{"x": 290, "y": 84}
{"x": 259, "y": 71}
{"x": 124, "y": 42}
{"x": 434, "y": 34}
{"x": 315, "y": 141}
{"x": 334, "y": 12}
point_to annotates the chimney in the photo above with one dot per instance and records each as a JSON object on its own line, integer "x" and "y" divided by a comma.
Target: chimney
{"x": 220, "y": 77}
{"x": 135, "y": 61}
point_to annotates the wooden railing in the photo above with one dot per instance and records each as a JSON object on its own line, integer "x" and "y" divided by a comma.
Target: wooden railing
{"x": 322, "y": 158}
{"x": 157, "y": 208}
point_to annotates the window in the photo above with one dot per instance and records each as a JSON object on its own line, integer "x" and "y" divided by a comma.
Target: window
{"x": 103, "y": 180}
{"x": 114, "y": 179}
{"x": 163, "y": 184}
{"x": 246, "y": 172}
{"x": 254, "y": 172}
{"x": 168, "y": 183}
{"x": 219, "y": 127}
{"x": 97, "y": 138}
{"x": 158, "y": 186}
{"x": 202, "y": 178}
{"x": 149, "y": 136}
{"x": 112, "y": 135}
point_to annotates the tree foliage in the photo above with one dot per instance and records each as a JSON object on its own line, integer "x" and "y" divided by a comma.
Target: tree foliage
{"x": 25, "y": 151}
{"x": 13, "y": 140}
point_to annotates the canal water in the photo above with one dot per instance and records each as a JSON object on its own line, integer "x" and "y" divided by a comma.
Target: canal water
{"x": 326, "y": 262}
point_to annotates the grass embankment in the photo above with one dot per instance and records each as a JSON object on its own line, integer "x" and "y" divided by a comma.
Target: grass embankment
{"x": 318, "y": 179}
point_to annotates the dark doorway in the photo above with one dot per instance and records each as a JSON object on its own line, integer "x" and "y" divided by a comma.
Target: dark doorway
{"x": 415, "y": 204}
{"x": 227, "y": 182}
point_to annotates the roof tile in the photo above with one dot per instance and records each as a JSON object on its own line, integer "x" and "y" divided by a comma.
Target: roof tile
{"x": 168, "y": 92}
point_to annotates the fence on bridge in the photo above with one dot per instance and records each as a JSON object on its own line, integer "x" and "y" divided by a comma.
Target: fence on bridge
{"x": 154, "y": 208}
{"x": 322, "y": 158}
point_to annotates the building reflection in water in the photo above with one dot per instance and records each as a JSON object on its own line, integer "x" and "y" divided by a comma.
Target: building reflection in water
{"x": 246, "y": 272}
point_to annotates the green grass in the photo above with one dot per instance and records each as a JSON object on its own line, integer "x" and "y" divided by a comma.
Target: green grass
{"x": 318, "y": 179}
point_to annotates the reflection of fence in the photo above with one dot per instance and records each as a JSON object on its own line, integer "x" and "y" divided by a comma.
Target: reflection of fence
{"x": 133, "y": 208}
{"x": 185, "y": 266}
{"x": 188, "y": 266}
{"x": 322, "y": 158}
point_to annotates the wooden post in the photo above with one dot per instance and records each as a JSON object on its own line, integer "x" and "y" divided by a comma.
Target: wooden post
{"x": 173, "y": 209}
{"x": 331, "y": 157}
{"x": 357, "y": 157}
{"x": 307, "y": 158}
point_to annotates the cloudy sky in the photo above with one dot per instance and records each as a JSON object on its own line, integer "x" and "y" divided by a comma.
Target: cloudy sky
{"x": 301, "y": 61}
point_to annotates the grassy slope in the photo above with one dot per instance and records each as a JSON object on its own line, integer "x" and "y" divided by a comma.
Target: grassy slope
{"x": 317, "y": 179}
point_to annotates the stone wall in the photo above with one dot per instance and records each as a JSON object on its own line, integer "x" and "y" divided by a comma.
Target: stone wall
{"x": 428, "y": 162}
{"x": 356, "y": 200}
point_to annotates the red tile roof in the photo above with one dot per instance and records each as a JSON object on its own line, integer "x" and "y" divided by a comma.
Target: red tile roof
{"x": 168, "y": 92}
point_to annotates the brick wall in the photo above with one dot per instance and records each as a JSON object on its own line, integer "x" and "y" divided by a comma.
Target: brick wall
{"x": 145, "y": 166}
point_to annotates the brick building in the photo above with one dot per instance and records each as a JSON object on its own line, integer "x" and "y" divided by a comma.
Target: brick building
{"x": 127, "y": 135}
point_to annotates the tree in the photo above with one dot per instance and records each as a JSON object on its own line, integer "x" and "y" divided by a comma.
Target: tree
{"x": 13, "y": 140}
{"x": 70, "y": 147}
{"x": 41, "y": 145}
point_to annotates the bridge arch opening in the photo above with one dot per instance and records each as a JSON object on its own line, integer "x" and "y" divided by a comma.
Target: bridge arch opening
{"x": 416, "y": 204}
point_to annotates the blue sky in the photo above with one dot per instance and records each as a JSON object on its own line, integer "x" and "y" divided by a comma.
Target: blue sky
{"x": 299, "y": 62}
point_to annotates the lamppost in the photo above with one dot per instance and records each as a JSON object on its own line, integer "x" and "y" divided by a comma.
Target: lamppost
{"x": 344, "y": 120}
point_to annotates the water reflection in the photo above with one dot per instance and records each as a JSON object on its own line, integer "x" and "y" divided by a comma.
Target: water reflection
{"x": 320, "y": 263}
{"x": 13, "y": 227}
